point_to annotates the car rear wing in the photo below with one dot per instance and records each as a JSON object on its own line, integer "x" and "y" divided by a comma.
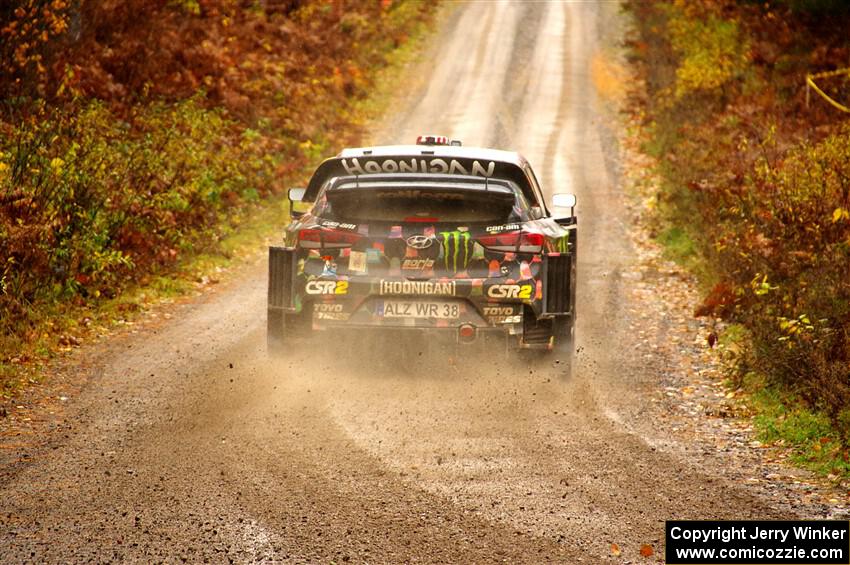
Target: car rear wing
{"x": 424, "y": 164}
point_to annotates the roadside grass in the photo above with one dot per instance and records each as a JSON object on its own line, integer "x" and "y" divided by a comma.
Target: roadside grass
{"x": 781, "y": 418}
{"x": 64, "y": 326}
{"x": 56, "y": 329}
{"x": 750, "y": 195}
{"x": 670, "y": 218}
{"x": 678, "y": 245}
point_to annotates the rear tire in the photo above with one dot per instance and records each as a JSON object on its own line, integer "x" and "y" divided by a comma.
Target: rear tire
{"x": 560, "y": 331}
{"x": 283, "y": 328}
{"x": 563, "y": 351}
{"x": 276, "y": 332}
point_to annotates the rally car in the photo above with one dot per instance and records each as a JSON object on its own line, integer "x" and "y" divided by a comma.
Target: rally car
{"x": 433, "y": 238}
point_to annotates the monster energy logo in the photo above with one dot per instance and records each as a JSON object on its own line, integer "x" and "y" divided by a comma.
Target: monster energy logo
{"x": 457, "y": 250}
{"x": 564, "y": 244}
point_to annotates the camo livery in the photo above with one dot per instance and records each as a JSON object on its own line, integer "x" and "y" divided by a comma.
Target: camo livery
{"x": 472, "y": 251}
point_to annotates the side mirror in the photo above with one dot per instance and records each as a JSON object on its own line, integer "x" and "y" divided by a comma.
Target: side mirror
{"x": 295, "y": 195}
{"x": 564, "y": 200}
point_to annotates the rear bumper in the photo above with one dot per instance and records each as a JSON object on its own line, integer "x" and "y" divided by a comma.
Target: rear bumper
{"x": 486, "y": 306}
{"x": 405, "y": 336}
{"x": 507, "y": 335}
{"x": 421, "y": 313}
{"x": 475, "y": 321}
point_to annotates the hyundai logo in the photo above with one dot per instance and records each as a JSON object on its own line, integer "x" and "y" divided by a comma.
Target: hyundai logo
{"x": 420, "y": 241}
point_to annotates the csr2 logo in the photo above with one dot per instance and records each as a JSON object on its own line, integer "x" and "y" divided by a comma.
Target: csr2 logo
{"x": 327, "y": 287}
{"x": 510, "y": 291}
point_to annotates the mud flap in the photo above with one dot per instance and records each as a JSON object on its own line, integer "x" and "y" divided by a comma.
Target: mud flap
{"x": 559, "y": 282}
{"x": 281, "y": 297}
{"x": 559, "y": 300}
{"x": 559, "y": 272}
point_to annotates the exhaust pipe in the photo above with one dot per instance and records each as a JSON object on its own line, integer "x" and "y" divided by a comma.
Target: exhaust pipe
{"x": 467, "y": 333}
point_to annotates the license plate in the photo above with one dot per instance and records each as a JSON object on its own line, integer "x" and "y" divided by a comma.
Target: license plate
{"x": 418, "y": 309}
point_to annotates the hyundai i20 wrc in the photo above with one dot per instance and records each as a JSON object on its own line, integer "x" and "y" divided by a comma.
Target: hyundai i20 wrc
{"x": 435, "y": 238}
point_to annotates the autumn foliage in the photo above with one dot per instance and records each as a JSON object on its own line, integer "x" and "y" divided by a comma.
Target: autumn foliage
{"x": 758, "y": 180}
{"x": 133, "y": 132}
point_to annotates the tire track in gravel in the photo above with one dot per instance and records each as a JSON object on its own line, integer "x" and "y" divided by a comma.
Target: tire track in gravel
{"x": 602, "y": 465}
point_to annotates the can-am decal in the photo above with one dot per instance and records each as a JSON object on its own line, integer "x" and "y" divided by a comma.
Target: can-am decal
{"x": 331, "y": 224}
{"x": 326, "y": 287}
{"x": 506, "y": 227}
{"x": 418, "y": 287}
{"x": 510, "y": 291}
{"x": 436, "y": 165}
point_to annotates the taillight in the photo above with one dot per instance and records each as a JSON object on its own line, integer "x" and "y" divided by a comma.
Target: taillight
{"x": 518, "y": 241}
{"x": 326, "y": 239}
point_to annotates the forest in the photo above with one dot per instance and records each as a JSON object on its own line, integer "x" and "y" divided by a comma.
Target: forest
{"x": 129, "y": 144}
{"x": 755, "y": 194}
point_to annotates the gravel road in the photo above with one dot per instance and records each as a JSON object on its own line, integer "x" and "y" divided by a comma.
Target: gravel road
{"x": 189, "y": 444}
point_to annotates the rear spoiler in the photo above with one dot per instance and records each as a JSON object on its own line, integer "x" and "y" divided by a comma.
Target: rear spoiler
{"x": 424, "y": 183}
{"x": 422, "y": 164}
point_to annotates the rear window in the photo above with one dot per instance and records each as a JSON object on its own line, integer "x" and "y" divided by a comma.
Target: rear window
{"x": 383, "y": 203}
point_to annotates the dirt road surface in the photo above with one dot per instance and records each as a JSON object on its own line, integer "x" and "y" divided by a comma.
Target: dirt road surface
{"x": 189, "y": 444}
